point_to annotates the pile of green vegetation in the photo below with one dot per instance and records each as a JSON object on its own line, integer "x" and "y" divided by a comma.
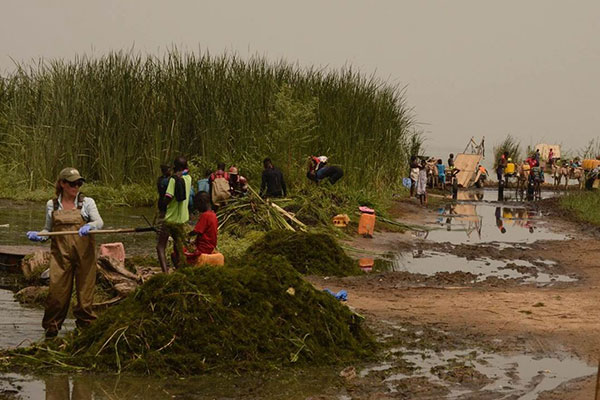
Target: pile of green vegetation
{"x": 308, "y": 253}
{"x": 256, "y": 314}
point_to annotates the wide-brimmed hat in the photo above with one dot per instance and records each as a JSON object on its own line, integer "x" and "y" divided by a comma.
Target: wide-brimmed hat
{"x": 233, "y": 171}
{"x": 70, "y": 174}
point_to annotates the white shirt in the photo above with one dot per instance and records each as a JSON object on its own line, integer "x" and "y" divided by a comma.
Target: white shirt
{"x": 89, "y": 212}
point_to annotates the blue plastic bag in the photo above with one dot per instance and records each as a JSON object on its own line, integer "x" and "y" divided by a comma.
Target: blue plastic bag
{"x": 406, "y": 182}
{"x": 342, "y": 295}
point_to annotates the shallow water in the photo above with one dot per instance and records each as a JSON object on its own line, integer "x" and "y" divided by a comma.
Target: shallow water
{"x": 484, "y": 222}
{"x": 518, "y": 376}
{"x": 290, "y": 385}
{"x": 431, "y": 262}
{"x": 26, "y": 216}
{"x": 20, "y": 325}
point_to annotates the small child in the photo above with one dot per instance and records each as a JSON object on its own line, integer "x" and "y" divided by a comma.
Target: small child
{"x": 206, "y": 227}
{"x": 422, "y": 184}
{"x": 441, "y": 168}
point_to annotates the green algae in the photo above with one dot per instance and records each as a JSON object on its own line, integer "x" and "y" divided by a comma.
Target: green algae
{"x": 251, "y": 315}
{"x": 308, "y": 253}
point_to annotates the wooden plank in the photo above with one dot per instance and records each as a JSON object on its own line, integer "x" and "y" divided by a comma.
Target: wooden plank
{"x": 21, "y": 250}
{"x": 467, "y": 164}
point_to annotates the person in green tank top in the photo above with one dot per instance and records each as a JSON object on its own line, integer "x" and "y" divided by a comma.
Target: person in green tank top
{"x": 177, "y": 198}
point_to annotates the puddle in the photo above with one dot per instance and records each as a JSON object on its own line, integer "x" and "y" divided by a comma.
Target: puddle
{"x": 491, "y": 195}
{"x": 20, "y": 325}
{"x": 471, "y": 372}
{"x": 291, "y": 385}
{"x": 23, "y": 217}
{"x": 484, "y": 222}
{"x": 432, "y": 262}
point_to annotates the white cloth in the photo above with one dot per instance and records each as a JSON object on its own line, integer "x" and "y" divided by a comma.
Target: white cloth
{"x": 414, "y": 174}
{"x": 422, "y": 182}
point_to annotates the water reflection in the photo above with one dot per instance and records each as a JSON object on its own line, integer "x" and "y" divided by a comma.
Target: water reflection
{"x": 487, "y": 222}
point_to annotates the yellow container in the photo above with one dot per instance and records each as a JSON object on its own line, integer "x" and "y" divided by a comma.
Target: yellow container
{"x": 341, "y": 220}
{"x": 590, "y": 164}
{"x": 215, "y": 258}
{"x": 510, "y": 168}
{"x": 366, "y": 224}
{"x": 526, "y": 167}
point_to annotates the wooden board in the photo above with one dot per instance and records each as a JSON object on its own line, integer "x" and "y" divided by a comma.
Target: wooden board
{"x": 467, "y": 164}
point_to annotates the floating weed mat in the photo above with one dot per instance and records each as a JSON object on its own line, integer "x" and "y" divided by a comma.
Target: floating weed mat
{"x": 259, "y": 315}
{"x": 308, "y": 253}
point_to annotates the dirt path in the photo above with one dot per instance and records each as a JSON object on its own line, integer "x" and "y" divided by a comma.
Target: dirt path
{"x": 543, "y": 320}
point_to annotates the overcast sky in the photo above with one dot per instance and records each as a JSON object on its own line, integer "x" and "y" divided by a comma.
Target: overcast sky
{"x": 471, "y": 67}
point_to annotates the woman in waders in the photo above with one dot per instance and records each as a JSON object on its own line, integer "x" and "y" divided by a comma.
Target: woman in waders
{"x": 72, "y": 256}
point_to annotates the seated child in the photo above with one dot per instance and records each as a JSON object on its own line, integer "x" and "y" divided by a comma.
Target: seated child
{"x": 206, "y": 227}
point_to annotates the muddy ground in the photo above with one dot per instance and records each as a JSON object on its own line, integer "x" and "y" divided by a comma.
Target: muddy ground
{"x": 499, "y": 315}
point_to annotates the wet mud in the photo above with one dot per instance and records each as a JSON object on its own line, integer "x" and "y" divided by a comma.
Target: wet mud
{"x": 465, "y": 313}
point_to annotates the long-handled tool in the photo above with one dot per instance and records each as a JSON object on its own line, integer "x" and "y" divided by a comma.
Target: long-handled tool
{"x": 100, "y": 231}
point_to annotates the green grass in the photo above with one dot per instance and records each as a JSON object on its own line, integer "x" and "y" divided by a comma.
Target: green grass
{"x": 585, "y": 206}
{"x": 119, "y": 116}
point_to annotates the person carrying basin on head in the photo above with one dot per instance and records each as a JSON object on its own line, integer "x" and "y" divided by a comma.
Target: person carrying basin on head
{"x": 177, "y": 215}
{"x": 319, "y": 169}
{"x": 273, "y": 184}
{"x": 71, "y": 256}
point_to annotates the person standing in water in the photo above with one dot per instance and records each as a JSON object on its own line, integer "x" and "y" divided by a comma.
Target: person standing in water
{"x": 71, "y": 256}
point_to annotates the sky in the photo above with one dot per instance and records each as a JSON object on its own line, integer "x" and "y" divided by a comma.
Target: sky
{"x": 469, "y": 67}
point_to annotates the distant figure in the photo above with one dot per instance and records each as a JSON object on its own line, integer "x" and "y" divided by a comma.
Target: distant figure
{"x": 318, "y": 169}
{"x": 238, "y": 185}
{"x": 483, "y": 174}
{"x": 414, "y": 175}
{"x": 441, "y": 169}
{"x": 161, "y": 187}
{"x": 451, "y": 161}
{"x": 551, "y": 157}
{"x": 537, "y": 156}
{"x": 502, "y": 163}
{"x": 204, "y": 183}
{"x": 272, "y": 184}
{"x": 220, "y": 190}
{"x": 206, "y": 228}
{"x": 422, "y": 184}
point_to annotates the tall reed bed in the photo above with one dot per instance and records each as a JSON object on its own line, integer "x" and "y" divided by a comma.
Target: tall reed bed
{"x": 118, "y": 117}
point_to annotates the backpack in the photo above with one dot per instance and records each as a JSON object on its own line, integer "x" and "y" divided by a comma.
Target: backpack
{"x": 180, "y": 192}
{"x": 220, "y": 190}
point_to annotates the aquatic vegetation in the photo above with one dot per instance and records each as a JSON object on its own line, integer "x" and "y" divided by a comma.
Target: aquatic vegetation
{"x": 308, "y": 253}
{"x": 256, "y": 314}
{"x": 511, "y": 145}
{"x": 118, "y": 117}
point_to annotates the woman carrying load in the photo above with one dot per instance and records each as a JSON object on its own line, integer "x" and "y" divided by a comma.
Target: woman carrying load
{"x": 72, "y": 256}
